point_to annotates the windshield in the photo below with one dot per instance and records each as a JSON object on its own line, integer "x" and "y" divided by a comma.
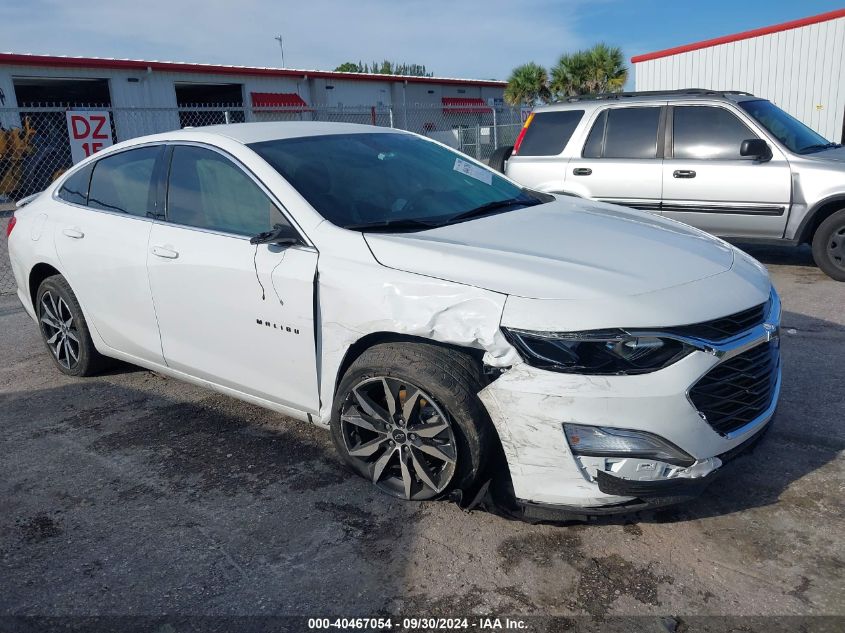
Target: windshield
{"x": 385, "y": 180}
{"x": 796, "y": 136}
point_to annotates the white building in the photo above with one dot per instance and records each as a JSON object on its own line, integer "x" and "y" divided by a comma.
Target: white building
{"x": 31, "y": 81}
{"x": 798, "y": 65}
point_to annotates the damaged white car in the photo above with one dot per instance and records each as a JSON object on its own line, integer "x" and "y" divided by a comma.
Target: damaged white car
{"x": 449, "y": 326}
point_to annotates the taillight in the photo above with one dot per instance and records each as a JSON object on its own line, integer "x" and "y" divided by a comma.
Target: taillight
{"x": 12, "y": 221}
{"x": 522, "y": 133}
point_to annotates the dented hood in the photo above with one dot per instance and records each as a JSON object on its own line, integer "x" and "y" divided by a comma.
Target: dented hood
{"x": 567, "y": 249}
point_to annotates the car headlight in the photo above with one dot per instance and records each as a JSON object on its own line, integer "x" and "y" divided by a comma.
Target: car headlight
{"x": 600, "y": 441}
{"x": 598, "y": 352}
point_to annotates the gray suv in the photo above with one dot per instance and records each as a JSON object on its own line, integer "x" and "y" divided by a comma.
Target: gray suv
{"x": 729, "y": 163}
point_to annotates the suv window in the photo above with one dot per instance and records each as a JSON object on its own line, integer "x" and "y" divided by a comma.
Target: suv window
{"x": 624, "y": 133}
{"x": 786, "y": 128}
{"x": 208, "y": 191}
{"x": 75, "y": 188}
{"x": 592, "y": 148}
{"x": 707, "y": 132}
{"x": 549, "y": 132}
{"x": 123, "y": 182}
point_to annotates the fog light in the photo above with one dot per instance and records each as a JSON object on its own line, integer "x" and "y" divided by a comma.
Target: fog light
{"x": 601, "y": 441}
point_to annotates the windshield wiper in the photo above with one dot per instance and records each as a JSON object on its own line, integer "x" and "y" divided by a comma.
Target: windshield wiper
{"x": 817, "y": 147}
{"x": 389, "y": 226}
{"x": 485, "y": 209}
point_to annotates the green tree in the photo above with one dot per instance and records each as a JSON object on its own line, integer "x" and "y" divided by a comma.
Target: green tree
{"x": 350, "y": 67}
{"x": 386, "y": 67}
{"x": 598, "y": 69}
{"x": 527, "y": 85}
{"x": 570, "y": 75}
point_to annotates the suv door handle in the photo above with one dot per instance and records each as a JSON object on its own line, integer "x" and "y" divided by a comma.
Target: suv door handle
{"x": 683, "y": 173}
{"x": 74, "y": 233}
{"x": 582, "y": 171}
{"x": 163, "y": 251}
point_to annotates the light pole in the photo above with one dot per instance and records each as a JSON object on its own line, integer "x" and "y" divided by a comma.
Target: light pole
{"x": 281, "y": 47}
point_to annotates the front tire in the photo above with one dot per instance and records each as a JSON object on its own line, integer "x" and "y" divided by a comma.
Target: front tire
{"x": 829, "y": 246}
{"x": 64, "y": 329}
{"x": 406, "y": 417}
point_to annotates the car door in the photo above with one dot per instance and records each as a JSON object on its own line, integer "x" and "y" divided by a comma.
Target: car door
{"x": 103, "y": 217}
{"x": 621, "y": 161}
{"x": 236, "y": 314}
{"x": 706, "y": 183}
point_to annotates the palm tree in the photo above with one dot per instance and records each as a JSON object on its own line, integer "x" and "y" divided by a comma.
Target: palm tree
{"x": 570, "y": 75}
{"x": 598, "y": 69}
{"x": 527, "y": 85}
{"x": 608, "y": 69}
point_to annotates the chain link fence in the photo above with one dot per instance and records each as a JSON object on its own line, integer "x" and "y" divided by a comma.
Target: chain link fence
{"x": 35, "y": 143}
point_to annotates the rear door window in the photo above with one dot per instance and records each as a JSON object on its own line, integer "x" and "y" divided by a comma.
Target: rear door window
{"x": 631, "y": 133}
{"x": 124, "y": 182}
{"x": 75, "y": 188}
{"x": 707, "y": 132}
{"x": 549, "y": 132}
{"x": 624, "y": 133}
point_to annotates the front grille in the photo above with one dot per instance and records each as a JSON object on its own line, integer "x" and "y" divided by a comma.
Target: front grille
{"x": 735, "y": 392}
{"x": 725, "y": 327}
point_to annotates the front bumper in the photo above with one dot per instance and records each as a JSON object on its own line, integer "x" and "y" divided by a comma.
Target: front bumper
{"x": 643, "y": 495}
{"x": 528, "y": 407}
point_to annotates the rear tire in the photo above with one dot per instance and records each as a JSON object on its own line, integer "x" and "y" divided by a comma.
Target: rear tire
{"x": 435, "y": 437}
{"x": 500, "y": 157}
{"x": 829, "y": 246}
{"x": 64, "y": 329}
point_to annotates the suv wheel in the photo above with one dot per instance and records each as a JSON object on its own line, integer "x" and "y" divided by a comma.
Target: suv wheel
{"x": 64, "y": 330}
{"x": 829, "y": 246}
{"x": 407, "y": 418}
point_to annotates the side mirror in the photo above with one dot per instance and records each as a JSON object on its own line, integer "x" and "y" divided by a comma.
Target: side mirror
{"x": 281, "y": 234}
{"x": 755, "y": 148}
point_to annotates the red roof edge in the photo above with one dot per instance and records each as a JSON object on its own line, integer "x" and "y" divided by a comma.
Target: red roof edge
{"x": 26, "y": 59}
{"x": 766, "y": 30}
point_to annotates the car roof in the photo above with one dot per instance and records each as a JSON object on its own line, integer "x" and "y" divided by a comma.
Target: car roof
{"x": 692, "y": 94}
{"x": 247, "y": 133}
{"x": 269, "y": 131}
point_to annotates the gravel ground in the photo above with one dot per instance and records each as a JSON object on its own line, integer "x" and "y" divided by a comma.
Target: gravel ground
{"x": 131, "y": 494}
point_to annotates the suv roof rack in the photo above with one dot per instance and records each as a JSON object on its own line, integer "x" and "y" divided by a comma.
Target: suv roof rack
{"x": 655, "y": 93}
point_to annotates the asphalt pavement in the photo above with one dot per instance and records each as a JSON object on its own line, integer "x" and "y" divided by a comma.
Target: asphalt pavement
{"x": 131, "y": 494}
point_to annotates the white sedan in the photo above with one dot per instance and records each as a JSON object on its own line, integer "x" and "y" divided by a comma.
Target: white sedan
{"x": 449, "y": 326}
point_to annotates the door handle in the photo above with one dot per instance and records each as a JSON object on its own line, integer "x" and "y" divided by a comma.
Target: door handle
{"x": 74, "y": 233}
{"x": 683, "y": 173}
{"x": 163, "y": 251}
{"x": 582, "y": 171}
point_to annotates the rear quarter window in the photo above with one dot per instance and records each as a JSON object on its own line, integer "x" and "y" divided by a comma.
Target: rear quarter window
{"x": 75, "y": 188}
{"x": 549, "y": 132}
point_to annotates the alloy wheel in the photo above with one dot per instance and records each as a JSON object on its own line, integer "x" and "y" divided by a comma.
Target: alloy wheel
{"x": 398, "y": 435}
{"x": 59, "y": 329}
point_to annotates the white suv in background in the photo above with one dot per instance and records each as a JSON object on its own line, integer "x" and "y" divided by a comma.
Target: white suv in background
{"x": 729, "y": 163}
{"x": 448, "y": 326}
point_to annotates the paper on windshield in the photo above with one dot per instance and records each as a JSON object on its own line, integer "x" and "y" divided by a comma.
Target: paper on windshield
{"x": 473, "y": 171}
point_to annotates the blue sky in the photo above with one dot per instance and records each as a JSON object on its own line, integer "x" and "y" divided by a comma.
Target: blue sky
{"x": 643, "y": 26}
{"x": 458, "y": 38}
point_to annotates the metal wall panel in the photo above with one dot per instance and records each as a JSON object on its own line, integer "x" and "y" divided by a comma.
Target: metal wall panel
{"x": 802, "y": 70}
